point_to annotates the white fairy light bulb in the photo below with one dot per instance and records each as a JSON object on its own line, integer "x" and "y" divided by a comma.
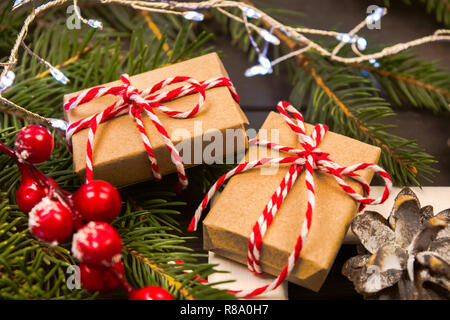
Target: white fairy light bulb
{"x": 269, "y": 37}
{"x": 7, "y": 80}
{"x": 252, "y": 13}
{"x": 95, "y": 24}
{"x": 59, "y": 124}
{"x": 264, "y": 61}
{"x": 193, "y": 15}
{"x": 19, "y": 3}
{"x": 374, "y": 62}
{"x": 58, "y": 75}
{"x": 345, "y": 37}
{"x": 361, "y": 43}
{"x": 257, "y": 70}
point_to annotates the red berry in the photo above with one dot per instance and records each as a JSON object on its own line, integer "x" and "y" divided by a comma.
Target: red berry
{"x": 34, "y": 143}
{"x": 50, "y": 221}
{"x": 100, "y": 279}
{"x": 97, "y": 200}
{"x": 201, "y": 280}
{"x": 97, "y": 244}
{"x": 150, "y": 293}
{"x": 29, "y": 194}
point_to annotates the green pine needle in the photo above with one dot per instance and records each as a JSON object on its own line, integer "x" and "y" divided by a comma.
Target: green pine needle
{"x": 30, "y": 269}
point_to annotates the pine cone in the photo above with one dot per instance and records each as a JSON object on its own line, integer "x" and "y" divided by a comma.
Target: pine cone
{"x": 407, "y": 256}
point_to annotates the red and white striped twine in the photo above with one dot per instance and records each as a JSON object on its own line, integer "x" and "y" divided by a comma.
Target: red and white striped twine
{"x": 134, "y": 102}
{"x": 311, "y": 158}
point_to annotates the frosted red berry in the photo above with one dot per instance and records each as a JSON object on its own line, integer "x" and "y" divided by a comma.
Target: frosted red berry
{"x": 50, "y": 221}
{"x": 97, "y": 200}
{"x": 97, "y": 244}
{"x": 29, "y": 194}
{"x": 34, "y": 143}
{"x": 100, "y": 279}
{"x": 150, "y": 293}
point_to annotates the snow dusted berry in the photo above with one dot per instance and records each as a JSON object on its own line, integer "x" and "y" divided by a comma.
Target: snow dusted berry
{"x": 29, "y": 194}
{"x": 50, "y": 221}
{"x": 97, "y": 244}
{"x": 34, "y": 143}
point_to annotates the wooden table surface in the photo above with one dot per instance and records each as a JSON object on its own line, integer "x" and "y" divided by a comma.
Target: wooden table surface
{"x": 259, "y": 95}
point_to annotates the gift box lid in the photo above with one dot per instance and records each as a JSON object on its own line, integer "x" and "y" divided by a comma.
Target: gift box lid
{"x": 118, "y": 139}
{"x": 200, "y": 68}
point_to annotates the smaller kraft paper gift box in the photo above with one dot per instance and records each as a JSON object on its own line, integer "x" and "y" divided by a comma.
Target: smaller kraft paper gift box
{"x": 291, "y": 198}
{"x": 155, "y": 123}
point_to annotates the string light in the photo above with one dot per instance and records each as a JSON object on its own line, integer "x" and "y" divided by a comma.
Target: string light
{"x": 264, "y": 67}
{"x": 95, "y": 24}
{"x": 374, "y": 62}
{"x": 19, "y": 3}
{"x": 90, "y": 22}
{"x": 269, "y": 37}
{"x": 252, "y": 13}
{"x": 193, "y": 15}
{"x": 346, "y": 38}
{"x": 296, "y": 34}
{"x": 257, "y": 70}
{"x": 264, "y": 62}
{"x": 361, "y": 43}
{"x": 58, "y": 124}
{"x": 7, "y": 80}
{"x": 58, "y": 75}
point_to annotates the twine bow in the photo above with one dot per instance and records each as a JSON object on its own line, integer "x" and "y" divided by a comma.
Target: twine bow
{"x": 135, "y": 102}
{"x": 311, "y": 158}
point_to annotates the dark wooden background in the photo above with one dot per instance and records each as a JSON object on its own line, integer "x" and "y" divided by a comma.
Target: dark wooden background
{"x": 259, "y": 95}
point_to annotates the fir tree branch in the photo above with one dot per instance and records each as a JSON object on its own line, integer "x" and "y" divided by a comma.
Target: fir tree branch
{"x": 366, "y": 131}
{"x": 170, "y": 280}
{"x": 30, "y": 269}
{"x": 152, "y": 26}
{"x": 65, "y": 63}
{"x": 417, "y": 82}
{"x": 349, "y": 104}
{"x": 149, "y": 231}
{"x": 11, "y": 108}
{"x": 440, "y": 8}
{"x": 303, "y": 62}
{"x": 404, "y": 78}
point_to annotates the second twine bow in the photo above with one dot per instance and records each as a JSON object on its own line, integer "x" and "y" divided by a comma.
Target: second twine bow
{"x": 135, "y": 102}
{"x": 311, "y": 158}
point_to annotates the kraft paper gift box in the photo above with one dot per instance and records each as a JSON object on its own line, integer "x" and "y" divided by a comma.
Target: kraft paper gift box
{"x": 227, "y": 227}
{"x": 119, "y": 155}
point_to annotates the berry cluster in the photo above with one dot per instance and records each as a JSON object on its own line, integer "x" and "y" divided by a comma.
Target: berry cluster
{"x": 54, "y": 214}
